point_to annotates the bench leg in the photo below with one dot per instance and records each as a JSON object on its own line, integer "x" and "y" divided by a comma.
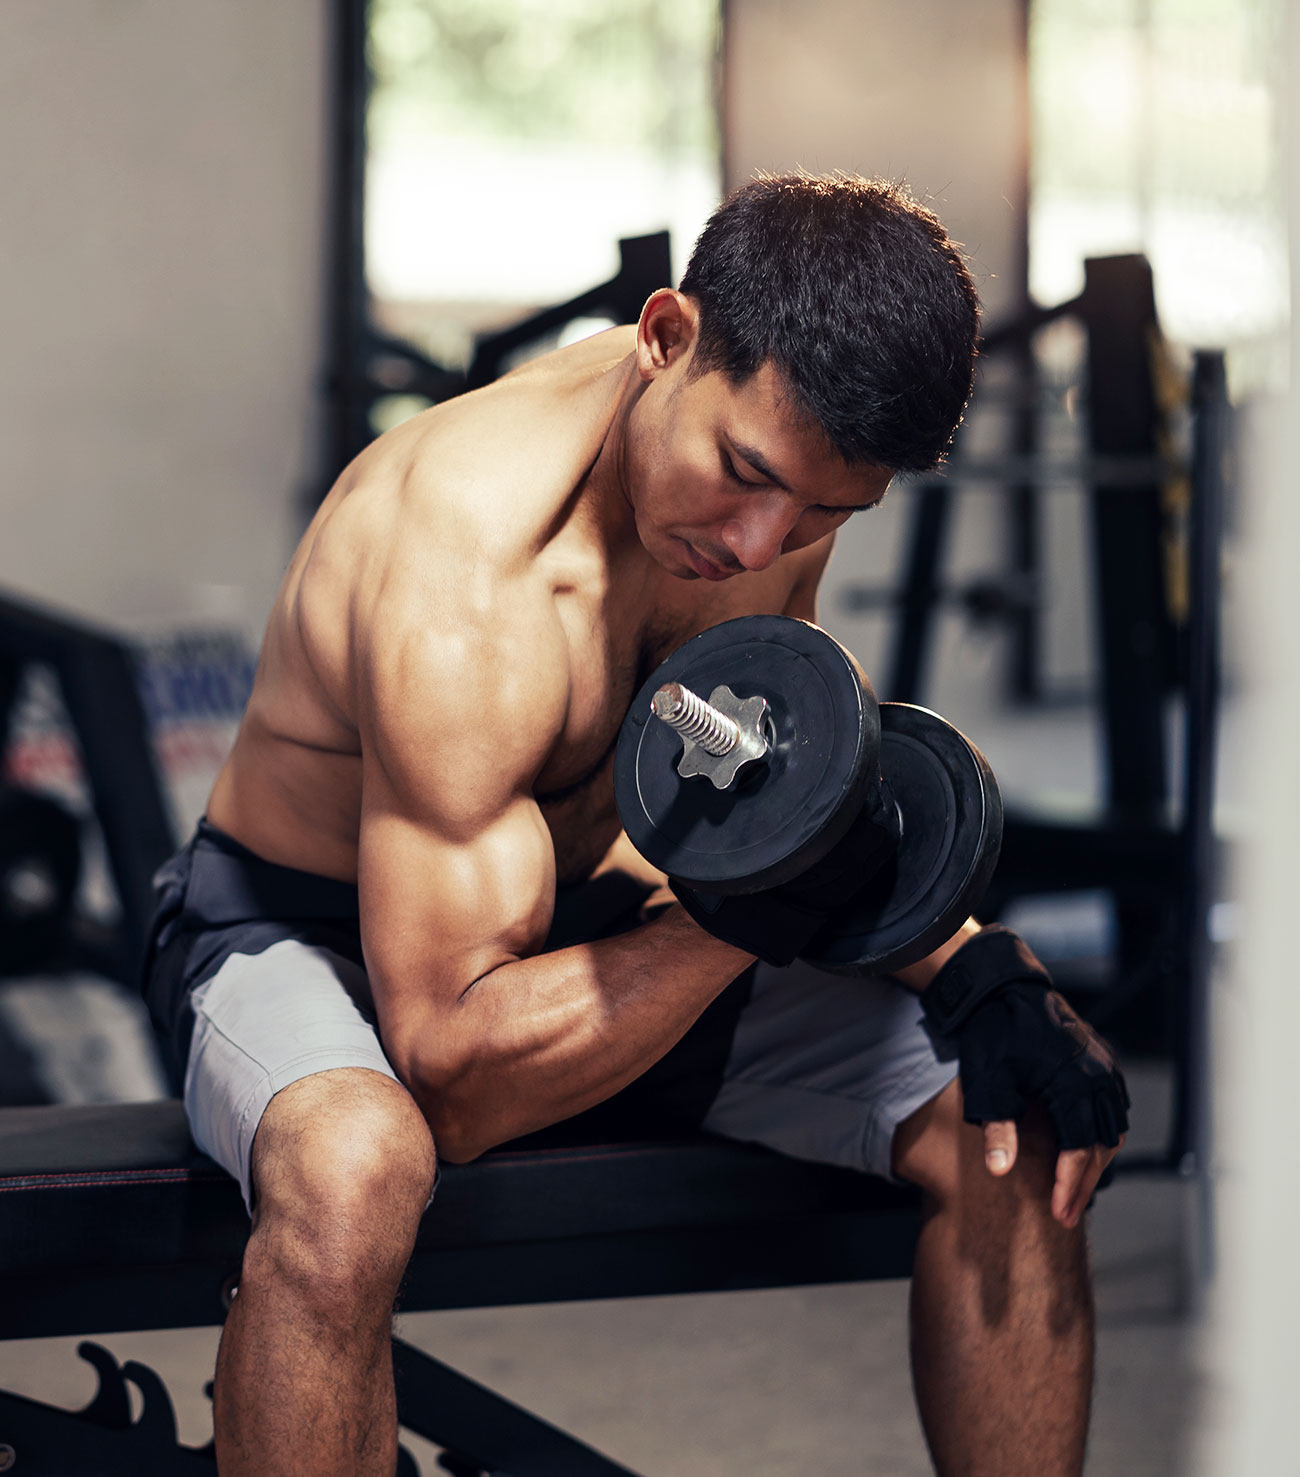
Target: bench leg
{"x": 480, "y": 1431}
{"x": 101, "y": 1440}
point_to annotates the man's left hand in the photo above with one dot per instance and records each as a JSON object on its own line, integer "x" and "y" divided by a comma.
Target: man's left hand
{"x": 1018, "y": 1041}
{"x": 1077, "y": 1170}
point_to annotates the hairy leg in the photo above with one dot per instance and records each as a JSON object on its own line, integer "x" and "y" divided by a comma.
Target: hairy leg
{"x": 1002, "y": 1317}
{"x": 343, "y": 1164}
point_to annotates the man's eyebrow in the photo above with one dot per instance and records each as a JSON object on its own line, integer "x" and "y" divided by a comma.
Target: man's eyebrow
{"x": 759, "y": 462}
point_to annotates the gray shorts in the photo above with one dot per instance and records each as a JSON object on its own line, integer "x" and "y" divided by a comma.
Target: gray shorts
{"x": 261, "y": 1022}
{"x": 818, "y": 1066}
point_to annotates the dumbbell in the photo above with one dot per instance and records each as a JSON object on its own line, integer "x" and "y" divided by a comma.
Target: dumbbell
{"x": 750, "y": 752}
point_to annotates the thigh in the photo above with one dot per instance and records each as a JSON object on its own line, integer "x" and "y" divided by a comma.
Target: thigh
{"x": 825, "y": 1067}
{"x": 262, "y": 1022}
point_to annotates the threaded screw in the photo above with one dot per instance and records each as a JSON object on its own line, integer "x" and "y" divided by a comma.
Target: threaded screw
{"x": 694, "y": 719}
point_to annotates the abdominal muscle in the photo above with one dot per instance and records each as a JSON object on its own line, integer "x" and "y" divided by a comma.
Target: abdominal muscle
{"x": 291, "y": 804}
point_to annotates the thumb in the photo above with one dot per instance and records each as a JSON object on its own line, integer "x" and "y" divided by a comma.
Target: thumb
{"x": 1000, "y": 1146}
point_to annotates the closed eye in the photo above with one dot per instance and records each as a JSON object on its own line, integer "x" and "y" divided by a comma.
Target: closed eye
{"x": 855, "y": 508}
{"x": 729, "y": 468}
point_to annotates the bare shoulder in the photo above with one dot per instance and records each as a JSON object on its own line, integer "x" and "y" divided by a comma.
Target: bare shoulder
{"x": 588, "y": 356}
{"x": 435, "y": 530}
{"x": 462, "y": 685}
{"x": 501, "y": 462}
{"x": 522, "y": 444}
{"x": 807, "y": 566}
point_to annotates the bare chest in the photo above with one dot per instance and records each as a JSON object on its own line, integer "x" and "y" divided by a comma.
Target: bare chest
{"x": 575, "y": 789}
{"x": 613, "y": 651}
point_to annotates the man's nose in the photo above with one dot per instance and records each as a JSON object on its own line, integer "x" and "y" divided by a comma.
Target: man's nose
{"x": 756, "y": 539}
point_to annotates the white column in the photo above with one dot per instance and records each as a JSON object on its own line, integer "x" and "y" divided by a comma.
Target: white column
{"x": 1252, "y": 1348}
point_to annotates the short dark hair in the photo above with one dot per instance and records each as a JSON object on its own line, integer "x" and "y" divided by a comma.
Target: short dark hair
{"x": 857, "y": 296}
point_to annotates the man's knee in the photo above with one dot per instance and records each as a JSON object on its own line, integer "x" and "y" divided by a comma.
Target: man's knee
{"x": 343, "y": 1166}
{"x": 939, "y": 1151}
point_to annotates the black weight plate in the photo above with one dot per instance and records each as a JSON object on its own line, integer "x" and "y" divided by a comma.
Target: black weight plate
{"x": 787, "y": 811}
{"x": 952, "y": 832}
{"x": 40, "y": 862}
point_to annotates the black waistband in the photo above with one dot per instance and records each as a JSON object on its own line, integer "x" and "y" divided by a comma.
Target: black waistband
{"x": 227, "y": 883}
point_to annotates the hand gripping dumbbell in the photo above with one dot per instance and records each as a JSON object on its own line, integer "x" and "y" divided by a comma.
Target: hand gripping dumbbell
{"x": 758, "y": 746}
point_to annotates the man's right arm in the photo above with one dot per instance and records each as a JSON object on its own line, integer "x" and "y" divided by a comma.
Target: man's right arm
{"x": 457, "y": 878}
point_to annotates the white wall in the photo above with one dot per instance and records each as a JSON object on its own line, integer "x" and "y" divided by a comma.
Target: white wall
{"x": 162, "y": 173}
{"x": 928, "y": 91}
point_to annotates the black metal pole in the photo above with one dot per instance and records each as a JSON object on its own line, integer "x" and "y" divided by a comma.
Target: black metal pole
{"x": 913, "y": 630}
{"x": 347, "y": 428}
{"x": 1199, "y": 852}
{"x": 1022, "y": 510}
{"x": 1119, "y": 311}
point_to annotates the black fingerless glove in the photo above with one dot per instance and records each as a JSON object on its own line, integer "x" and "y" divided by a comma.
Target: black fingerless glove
{"x": 777, "y": 924}
{"x": 1018, "y": 1040}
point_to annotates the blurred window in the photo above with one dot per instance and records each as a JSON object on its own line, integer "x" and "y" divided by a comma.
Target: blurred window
{"x": 512, "y": 142}
{"x": 1155, "y": 130}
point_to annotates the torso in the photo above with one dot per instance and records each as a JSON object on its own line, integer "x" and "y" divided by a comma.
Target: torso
{"x": 514, "y": 461}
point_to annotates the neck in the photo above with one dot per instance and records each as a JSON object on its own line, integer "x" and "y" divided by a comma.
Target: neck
{"x": 607, "y": 482}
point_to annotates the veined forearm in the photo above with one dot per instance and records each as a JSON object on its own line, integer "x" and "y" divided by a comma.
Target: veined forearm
{"x": 547, "y": 1036}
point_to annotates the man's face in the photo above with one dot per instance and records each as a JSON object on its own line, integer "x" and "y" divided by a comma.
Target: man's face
{"x": 724, "y": 479}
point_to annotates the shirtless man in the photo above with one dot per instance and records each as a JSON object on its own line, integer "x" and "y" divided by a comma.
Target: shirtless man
{"x": 426, "y": 758}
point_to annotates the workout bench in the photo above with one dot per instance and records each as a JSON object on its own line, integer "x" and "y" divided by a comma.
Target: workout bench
{"x": 111, "y": 1220}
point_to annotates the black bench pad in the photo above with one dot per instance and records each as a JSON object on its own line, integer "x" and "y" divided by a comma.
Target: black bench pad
{"x": 111, "y": 1219}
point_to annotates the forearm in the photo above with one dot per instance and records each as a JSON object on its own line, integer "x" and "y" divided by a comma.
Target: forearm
{"x": 917, "y": 976}
{"x": 539, "y": 1039}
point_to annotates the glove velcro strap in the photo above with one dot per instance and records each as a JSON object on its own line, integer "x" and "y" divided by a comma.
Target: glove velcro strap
{"x": 993, "y": 958}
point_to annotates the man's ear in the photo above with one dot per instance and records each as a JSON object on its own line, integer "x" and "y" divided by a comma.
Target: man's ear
{"x": 666, "y": 333}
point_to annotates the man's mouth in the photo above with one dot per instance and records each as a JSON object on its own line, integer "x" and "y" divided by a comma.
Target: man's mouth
{"x": 706, "y": 568}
